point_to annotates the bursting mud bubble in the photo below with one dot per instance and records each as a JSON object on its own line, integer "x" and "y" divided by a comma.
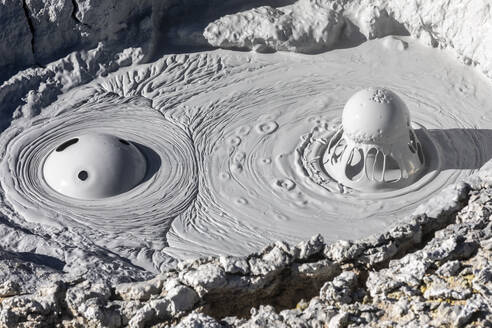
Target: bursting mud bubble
{"x": 375, "y": 148}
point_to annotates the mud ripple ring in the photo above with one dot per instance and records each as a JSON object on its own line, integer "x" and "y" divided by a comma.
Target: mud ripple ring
{"x": 155, "y": 195}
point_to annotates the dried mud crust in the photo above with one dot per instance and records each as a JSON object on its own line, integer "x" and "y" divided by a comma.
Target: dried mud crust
{"x": 314, "y": 26}
{"x": 432, "y": 271}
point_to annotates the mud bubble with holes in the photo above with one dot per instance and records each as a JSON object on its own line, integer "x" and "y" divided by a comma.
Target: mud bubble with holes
{"x": 93, "y": 170}
{"x": 94, "y": 166}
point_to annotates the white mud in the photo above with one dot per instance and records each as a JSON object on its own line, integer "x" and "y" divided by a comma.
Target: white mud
{"x": 310, "y": 26}
{"x": 137, "y": 219}
{"x": 254, "y": 185}
{"x": 231, "y": 135}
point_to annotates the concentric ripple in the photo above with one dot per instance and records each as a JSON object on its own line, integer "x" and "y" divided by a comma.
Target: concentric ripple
{"x": 259, "y": 139}
{"x": 235, "y": 136}
{"x": 145, "y": 211}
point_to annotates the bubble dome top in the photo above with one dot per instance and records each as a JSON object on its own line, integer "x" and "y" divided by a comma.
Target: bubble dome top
{"x": 376, "y": 147}
{"x": 94, "y": 166}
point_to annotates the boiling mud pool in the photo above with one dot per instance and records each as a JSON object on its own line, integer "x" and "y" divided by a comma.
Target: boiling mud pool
{"x": 236, "y": 136}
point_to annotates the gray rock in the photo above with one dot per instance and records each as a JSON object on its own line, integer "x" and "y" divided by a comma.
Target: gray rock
{"x": 475, "y": 304}
{"x": 23, "y": 309}
{"x": 53, "y": 27}
{"x": 182, "y": 298}
{"x": 339, "y": 321}
{"x": 448, "y": 269}
{"x": 106, "y": 20}
{"x": 198, "y": 320}
{"x": 140, "y": 291}
{"x": 341, "y": 289}
{"x": 35, "y": 310}
{"x": 324, "y": 269}
{"x": 439, "y": 289}
{"x": 265, "y": 29}
{"x": 205, "y": 277}
{"x": 89, "y": 301}
{"x": 234, "y": 264}
{"x": 14, "y": 30}
{"x": 311, "y": 26}
{"x": 265, "y": 316}
{"x": 128, "y": 309}
{"x": 305, "y": 250}
{"x": 261, "y": 267}
{"x": 342, "y": 250}
{"x": 153, "y": 311}
{"x": 9, "y": 288}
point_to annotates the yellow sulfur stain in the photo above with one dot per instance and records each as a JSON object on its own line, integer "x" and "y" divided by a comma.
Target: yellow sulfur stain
{"x": 301, "y": 306}
{"x": 469, "y": 277}
{"x": 395, "y": 295}
{"x": 447, "y": 300}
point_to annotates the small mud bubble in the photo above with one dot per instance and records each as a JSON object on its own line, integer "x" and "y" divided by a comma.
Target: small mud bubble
{"x": 225, "y": 176}
{"x": 236, "y": 167}
{"x": 267, "y": 127}
{"x": 242, "y": 201}
{"x": 281, "y": 217}
{"x": 301, "y": 203}
{"x": 235, "y": 141}
{"x": 243, "y": 130}
{"x": 285, "y": 184}
{"x": 239, "y": 157}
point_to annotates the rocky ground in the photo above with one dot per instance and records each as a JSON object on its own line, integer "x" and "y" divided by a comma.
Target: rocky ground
{"x": 429, "y": 272}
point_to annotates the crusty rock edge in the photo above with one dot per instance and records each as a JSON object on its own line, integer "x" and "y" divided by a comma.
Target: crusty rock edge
{"x": 429, "y": 271}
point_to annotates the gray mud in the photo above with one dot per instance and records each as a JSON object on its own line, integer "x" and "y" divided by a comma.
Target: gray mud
{"x": 232, "y": 136}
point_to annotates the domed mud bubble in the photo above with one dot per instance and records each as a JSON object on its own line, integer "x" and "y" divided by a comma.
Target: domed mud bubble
{"x": 94, "y": 166}
{"x": 376, "y": 148}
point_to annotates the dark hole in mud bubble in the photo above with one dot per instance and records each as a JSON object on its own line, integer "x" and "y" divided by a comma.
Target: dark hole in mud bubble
{"x": 124, "y": 142}
{"x": 83, "y": 175}
{"x": 67, "y": 144}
